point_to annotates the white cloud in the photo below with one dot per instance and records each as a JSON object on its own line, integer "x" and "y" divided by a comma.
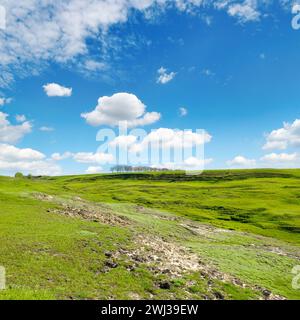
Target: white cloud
{"x": 280, "y": 157}
{"x": 20, "y": 118}
{"x": 245, "y": 12}
{"x": 4, "y": 101}
{"x": 165, "y": 77}
{"x": 183, "y": 112}
{"x": 56, "y": 90}
{"x": 94, "y": 66}
{"x": 14, "y": 159}
{"x": 240, "y": 161}
{"x": 89, "y": 157}
{"x": 11, "y": 153}
{"x": 46, "y": 129}
{"x": 94, "y": 170}
{"x": 163, "y": 138}
{"x": 39, "y": 32}
{"x": 123, "y": 141}
{"x": 190, "y": 164}
{"x": 194, "y": 163}
{"x": 84, "y": 157}
{"x": 287, "y": 136}
{"x": 120, "y": 107}
{"x": 12, "y": 133}
{"x": 60, "y": 157}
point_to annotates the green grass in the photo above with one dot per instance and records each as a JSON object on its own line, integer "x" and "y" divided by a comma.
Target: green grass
{"x": 51, "y": 256}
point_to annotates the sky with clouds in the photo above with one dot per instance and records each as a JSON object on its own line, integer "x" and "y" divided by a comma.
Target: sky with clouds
{"x": 70, "y": 68}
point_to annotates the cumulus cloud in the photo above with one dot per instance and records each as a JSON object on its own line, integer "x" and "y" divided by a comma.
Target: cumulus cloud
{"x": 118, "y": 108}
{"x": 241, "y": 161}
{"x": 56, "y": 90}
{"x": 11, "y": 153}
{"x": 14, "y": 159}
{"x": 282, "y": 138}
{"x": 12, "y": 133}
{"x": 163, "y": 138}
{"x": 170, "y": 138}
{"x": 165, "y": 77}
{"x": 94, "y": 170}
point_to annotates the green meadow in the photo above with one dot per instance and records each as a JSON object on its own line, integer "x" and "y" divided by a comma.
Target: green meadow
{"x": 220, "y": 235}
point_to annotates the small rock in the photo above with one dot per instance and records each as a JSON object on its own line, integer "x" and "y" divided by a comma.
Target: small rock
{"x": 108, "y": 254}
{"x": 165, "y": 285}
{"x": 267, "y": 293}
{"x": 219, "y": 295}
{"x": 111, "y": 264}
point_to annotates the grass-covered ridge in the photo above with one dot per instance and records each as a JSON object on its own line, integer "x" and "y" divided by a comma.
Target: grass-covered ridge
{"x": 235, "y": 235}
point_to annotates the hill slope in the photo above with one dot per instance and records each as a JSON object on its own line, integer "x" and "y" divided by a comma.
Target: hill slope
{"x": 222, "y": 235}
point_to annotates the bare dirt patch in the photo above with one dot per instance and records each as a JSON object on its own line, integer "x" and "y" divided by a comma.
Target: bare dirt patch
{"x": 93, "y": 214}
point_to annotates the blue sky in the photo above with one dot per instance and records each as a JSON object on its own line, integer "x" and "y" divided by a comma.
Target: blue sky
{"x": 232, "y": 65}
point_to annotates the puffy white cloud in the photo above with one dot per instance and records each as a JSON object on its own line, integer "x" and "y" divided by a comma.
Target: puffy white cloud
{"x": 89, "y": 157}
{"x": 12, "y": 133}
{"x": 120, "y": 107}
{"x": 240, "y": 161}
{"x": 165, "y": 77}
{"x": 245, "y": 12}
{"x": 169, "y": 138}
{"x": 183, "y": 112}
{"x": 194, "y": 163}
{"x": 94, "y": 170}
{"x": 14, "y": 159}
{"x": 56, "y": 90}
{"x": 11, "y": 153}
{"x": 287, "y": 136}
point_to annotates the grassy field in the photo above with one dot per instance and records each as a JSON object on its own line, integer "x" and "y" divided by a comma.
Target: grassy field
{"x": 221, "y": 235}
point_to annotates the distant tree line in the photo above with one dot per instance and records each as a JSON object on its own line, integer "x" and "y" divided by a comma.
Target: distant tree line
{"x": 125, "y": 168}
{"x": 20, "y": 175}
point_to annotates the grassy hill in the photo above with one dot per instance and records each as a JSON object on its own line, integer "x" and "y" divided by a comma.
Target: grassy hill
{"x": 222, "y": 235}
